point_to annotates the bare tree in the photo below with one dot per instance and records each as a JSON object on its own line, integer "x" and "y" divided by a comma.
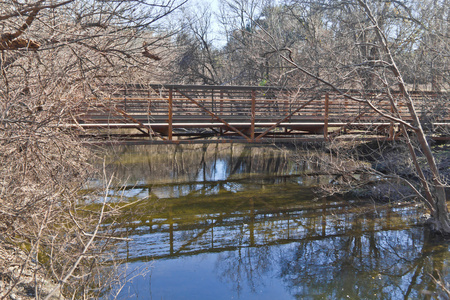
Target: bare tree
{"x": 55, "y": 55}
{"x": 358, "y": 45}
{"x": 434, "y": 188}
{"x": 197, "y": 59}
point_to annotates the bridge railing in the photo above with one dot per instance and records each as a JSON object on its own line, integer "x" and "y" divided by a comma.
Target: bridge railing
{"x": 251, "y": 112}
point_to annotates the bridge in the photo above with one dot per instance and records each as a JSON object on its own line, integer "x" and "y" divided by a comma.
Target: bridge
{"x": 198, "y": 113}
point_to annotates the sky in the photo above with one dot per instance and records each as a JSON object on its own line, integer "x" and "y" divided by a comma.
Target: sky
{"x": 216, "y": 34}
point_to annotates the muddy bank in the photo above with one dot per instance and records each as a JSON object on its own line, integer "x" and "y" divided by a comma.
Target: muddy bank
{"x": 390, "y": 159}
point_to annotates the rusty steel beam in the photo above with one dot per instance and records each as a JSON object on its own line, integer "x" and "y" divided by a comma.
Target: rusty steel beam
{"x": 214, "y": 115}
{"x": 170, "y": 121}
{"x": 138, "y": 124}
{"x": 253, "y": 116}
{"x": 325, "y": 121}
{"x": 253, "y": 121}
{"x": 284, "y": 119}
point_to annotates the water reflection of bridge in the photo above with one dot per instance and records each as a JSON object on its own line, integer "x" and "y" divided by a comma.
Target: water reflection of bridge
{"x": 252, "y": 222}
{"x": 190, "y": 113}
{"x": 248, "y": 215}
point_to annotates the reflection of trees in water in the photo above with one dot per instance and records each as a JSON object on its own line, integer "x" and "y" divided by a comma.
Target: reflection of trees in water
{"x": 380, "y": 265}
{"x": 176, "y": 163}
{"x": 244, "y": 267}
{"x": 328, "y": 251}
{"x": 373, "y": 260}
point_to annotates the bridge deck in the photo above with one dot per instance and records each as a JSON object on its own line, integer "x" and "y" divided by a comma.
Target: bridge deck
{"x": 177, "y": 113}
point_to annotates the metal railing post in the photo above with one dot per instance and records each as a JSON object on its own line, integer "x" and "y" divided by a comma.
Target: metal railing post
{"x": 125, "y": 98}
{"x": 391, "y": 126}
{"x": 169, "y": 133}
{"x": 253, "y": 116}
{"x": 213, "y": 108}
{"x": 325, "y": 121}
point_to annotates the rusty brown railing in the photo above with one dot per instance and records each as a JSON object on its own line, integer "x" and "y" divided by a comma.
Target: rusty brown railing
{"x": 191, "y": 112}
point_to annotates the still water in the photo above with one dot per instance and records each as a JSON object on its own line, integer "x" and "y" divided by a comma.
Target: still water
{"x": 240, "y": 222}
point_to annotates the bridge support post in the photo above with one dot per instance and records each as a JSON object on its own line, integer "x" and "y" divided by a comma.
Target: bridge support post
{"x": 253, "y": 116}
{"x": 391, "y": 127}
{"x": 169, "y": 134}
{"x": 325, "y": 121}
{"x": 125, "y": 98}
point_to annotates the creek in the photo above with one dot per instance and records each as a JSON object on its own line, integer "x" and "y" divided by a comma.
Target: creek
{"x": 242, "y": 222}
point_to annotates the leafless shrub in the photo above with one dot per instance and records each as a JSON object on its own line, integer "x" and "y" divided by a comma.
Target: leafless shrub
{"x": 54, "y": 57}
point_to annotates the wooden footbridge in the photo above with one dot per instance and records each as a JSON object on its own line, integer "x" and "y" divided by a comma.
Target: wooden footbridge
{"x": 194, "y": 113}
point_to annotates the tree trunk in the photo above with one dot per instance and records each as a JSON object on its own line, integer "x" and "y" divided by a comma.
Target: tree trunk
{"x": 440, "y": 221}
